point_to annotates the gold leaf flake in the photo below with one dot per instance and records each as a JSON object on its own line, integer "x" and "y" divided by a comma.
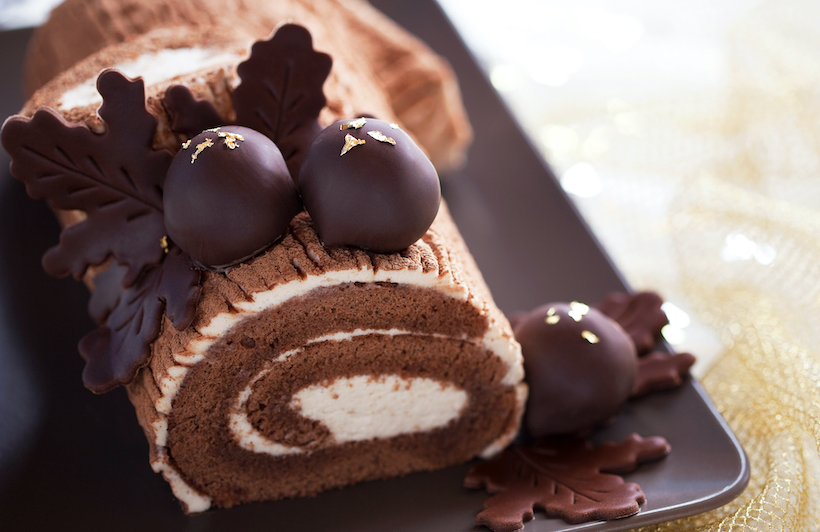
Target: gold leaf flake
{"x": 212, "y": 130}
{"x": 356, "y": 123}
{"x": 186, "y": 144}
{"x": 163, "y": 243}
{"x": 590, "y": 337}
{"x": 394, "y": 125}
{"x": 231, "y": 139}
{"x": 350, "y": 143}
{"x": 200, "y": 148}
{"x": 381, "y": 137}
{"x": 577, "y": 310}
{"x": 552, "y": 317}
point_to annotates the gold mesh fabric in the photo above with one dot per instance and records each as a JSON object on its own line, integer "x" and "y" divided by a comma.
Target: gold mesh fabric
{"x": 712, "y": 197}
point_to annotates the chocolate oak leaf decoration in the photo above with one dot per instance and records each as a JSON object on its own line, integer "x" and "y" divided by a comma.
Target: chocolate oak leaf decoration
{"x": 106, "y": 293}
{"x": 116, "y": 350}
{"x": 659, "y": 371}
{"x": 190, "y": 116}
{"x": 564, "y": 477}
{"x": 639, "y": 314}
{"x": 281, "y": 91}
{"x": 115, "y": 178}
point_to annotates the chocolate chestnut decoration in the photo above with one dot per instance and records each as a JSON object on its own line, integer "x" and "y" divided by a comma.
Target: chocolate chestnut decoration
{"x": 366, "y": 183}
{"x": 580, "y": 366}
{"x": 228, "y": 195}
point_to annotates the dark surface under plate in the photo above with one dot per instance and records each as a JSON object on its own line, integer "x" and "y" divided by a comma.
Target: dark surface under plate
{"x": 70, "y": 460}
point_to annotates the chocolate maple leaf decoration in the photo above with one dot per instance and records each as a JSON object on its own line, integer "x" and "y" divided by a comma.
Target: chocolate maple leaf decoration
{"x": 660, "y": 371}
{"x": 281, "y": 91}
{"x": 107, "y": 291}
{"x": 190, "y": 116}
{"x": 115, "y": 178}
{"x": 280, "y": 95}
{"x": 639, "y": 314}
{"x": 115, "y": 351}
{"x": 566, "y": 478}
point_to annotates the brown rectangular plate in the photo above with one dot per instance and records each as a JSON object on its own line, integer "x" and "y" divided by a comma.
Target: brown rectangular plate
{"x": 70, "y": 460}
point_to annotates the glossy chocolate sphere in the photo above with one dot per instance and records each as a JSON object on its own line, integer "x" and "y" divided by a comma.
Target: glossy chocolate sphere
{"x": 580, "y": 366}
{"x": 366, "y": 183}
{"x": 228, "y": 195}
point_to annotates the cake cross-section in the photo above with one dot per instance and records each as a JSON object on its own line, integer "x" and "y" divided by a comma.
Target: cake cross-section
{"x": 310, "y": 368}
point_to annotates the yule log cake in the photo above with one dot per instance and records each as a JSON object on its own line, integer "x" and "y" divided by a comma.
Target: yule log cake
{"x": 264, "y": 362}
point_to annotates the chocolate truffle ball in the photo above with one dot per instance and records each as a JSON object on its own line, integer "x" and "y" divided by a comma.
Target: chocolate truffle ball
{"x": 228, "y": 195}
{"x": 580, "y": 366}
{"x": 365, "y": 183}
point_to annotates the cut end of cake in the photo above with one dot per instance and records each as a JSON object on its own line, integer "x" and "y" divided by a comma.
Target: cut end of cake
{"x": 320, "y": 368}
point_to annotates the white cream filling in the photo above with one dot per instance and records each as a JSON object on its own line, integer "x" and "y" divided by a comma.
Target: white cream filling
{"x": 364, "y": 407}
{"x": 153, "y": 68}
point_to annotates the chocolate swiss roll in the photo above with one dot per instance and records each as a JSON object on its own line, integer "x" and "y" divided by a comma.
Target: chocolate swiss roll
{"x": 264, "y": 358}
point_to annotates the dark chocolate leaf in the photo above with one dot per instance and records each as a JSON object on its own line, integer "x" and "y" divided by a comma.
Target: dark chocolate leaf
{"x": 115, "y": 351}
{"x": 115, "y": 178}
{"x": 660, "y": 370}
{"x": 180, "y": 288}
{"x": 564, "y": 477}
{"x": 107, "y": 291}
{"x": 281, "y": 91}
{"x": 639, "y": 314}
{"x": 190, "y": 116}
